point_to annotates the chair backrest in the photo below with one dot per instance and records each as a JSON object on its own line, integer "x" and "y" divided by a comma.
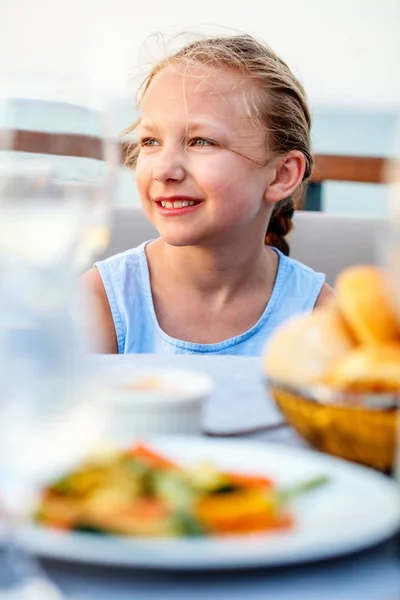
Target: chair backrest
{"x": 329, "y": 243}
{"x": 325, "y": 242}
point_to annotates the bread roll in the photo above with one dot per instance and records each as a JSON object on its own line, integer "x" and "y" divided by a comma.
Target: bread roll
{"x": 370, "y": 368}
{"x": 301, "y": 350}
{"x": 364, "y": 301}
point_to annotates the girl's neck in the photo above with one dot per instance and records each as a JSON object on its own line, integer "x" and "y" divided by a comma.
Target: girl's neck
{"x": 220, "y": 272}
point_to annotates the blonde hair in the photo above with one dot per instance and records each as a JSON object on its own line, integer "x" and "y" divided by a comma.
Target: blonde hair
{"x": 277, "y": 101}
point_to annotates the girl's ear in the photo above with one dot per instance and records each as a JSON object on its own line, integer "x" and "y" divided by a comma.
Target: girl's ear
{"x": 289, "y": 172}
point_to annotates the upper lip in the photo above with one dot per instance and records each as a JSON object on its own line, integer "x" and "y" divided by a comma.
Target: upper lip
{"x": 176, "y": 199}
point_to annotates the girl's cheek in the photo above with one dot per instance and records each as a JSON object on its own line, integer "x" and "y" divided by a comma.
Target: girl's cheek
{"x": 143, "y": 163}
{"x": 220, "y": 183}
{"x": 143, "y": 172}
{"x": 140, "y": 169}
{"x": 213, "y": 177}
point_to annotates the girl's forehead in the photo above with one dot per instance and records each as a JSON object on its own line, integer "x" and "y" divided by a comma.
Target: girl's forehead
{"x": 196, "y": 82}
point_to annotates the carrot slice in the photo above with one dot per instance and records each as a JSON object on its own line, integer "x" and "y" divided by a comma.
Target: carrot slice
{"x": 151, "y": 457}
{"x": 242, "y": 480}
{"x": 242, "y": 511}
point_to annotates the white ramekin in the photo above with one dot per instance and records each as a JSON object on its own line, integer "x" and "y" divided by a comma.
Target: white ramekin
{"x": 172, "y": 406}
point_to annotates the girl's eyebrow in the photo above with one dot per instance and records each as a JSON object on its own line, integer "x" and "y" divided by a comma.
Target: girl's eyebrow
{"x": 199, "y": 125}
{"x": 150, "y": 127}
{"x": 191, "y": 126}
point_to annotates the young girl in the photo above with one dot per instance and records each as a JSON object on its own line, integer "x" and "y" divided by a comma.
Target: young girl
{"x": 224, "y": 143}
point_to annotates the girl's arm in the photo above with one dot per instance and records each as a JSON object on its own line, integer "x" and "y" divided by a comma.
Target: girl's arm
{"x": 99, "y": 325}
{"x": 326, "y": 295}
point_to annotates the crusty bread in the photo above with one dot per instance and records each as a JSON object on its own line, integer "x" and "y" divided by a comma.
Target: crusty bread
{"x": 352, "y": 344}
{"x": 302, "y": 349}
{"x": 368, "y": 368}
{"x": 364, "y": 302}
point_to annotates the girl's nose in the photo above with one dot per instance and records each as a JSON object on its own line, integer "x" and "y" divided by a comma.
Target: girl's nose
{"x": 168, "y": 168}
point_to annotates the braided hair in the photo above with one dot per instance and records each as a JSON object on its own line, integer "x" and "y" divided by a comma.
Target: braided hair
{"x": 279, "y": 226}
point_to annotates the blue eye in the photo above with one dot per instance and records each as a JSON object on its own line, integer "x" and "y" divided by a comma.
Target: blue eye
{"x": 201, "y": 142}
{"x": 149, "y": 142}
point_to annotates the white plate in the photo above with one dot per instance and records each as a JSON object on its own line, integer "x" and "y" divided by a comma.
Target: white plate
{"x": 357, "y": 509}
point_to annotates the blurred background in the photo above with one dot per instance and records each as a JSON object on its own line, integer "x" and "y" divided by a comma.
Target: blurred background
{"x": 346, "y": 53}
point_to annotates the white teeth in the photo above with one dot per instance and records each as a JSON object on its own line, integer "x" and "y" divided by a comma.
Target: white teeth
{"x": 177, "y": 203}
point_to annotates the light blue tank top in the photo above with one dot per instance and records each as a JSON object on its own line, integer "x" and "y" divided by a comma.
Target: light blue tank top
{"x": 126, "y": 281}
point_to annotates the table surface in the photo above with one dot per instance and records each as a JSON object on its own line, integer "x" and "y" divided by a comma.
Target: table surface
{"x": 239, "y": 404}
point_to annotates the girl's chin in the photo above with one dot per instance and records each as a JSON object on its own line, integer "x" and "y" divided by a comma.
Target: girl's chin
{"x": 176, "y": 234}
{"x": 180, "y": 241}
{"x": 206, "y": 237}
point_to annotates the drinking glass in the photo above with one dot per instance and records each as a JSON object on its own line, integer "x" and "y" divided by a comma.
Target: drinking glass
{"x": 59, "y": 159}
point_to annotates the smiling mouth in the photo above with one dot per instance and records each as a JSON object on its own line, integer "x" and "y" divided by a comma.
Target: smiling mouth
{"x": 177, "y": 203}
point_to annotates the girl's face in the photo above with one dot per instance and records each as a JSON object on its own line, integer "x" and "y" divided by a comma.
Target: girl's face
{"x": 200, "y": 170}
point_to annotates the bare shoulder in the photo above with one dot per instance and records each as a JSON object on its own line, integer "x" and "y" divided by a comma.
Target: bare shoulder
{"x": 99, "y": 325}
{"x": 92, "y": 281}
{"x": 326, "y": 295}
